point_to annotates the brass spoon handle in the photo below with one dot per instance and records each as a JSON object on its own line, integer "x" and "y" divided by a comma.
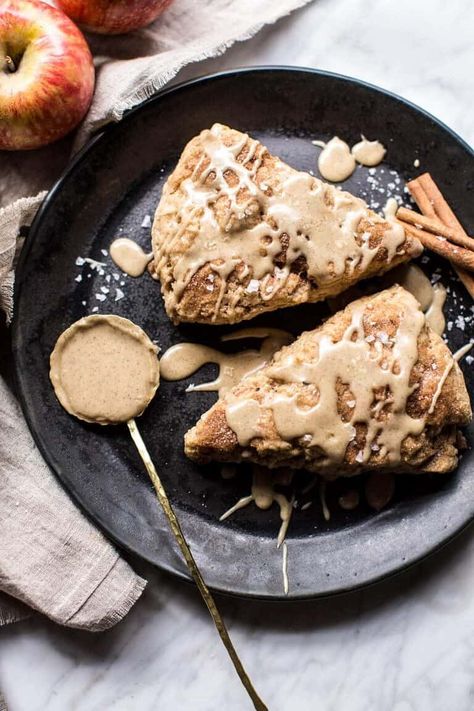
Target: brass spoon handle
{"x": 192, "y": 566}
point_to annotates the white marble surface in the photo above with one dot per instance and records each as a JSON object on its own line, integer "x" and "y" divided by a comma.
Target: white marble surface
{"x": 404, "y": 645}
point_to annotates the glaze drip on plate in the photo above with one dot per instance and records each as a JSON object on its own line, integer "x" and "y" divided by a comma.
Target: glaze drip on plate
{"x": 129, "y": 256}
{"x": 368, "y": 153}
{"x": 184, "y": 359}
{"x": 264, "y": 495}
{"x": 335, "y": 162}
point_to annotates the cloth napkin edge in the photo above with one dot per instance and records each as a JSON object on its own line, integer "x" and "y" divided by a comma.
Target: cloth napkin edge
{"x": 154, "y": 85}
{"x": 26, "y": 207}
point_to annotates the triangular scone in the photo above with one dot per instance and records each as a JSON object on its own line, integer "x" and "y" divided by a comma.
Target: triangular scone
{"x": 372, "y": 388}
{"x": 238, "y": 232}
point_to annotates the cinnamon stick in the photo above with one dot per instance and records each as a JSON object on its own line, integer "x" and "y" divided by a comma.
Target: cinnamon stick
{"x": 421, "y": 198}
{"x": 466, "y": 278}
{"x": 458, "y": 255}
{"x": 440, "y": 206}
{"x": 426, "y": 194}
{"x": 436, "y": 227}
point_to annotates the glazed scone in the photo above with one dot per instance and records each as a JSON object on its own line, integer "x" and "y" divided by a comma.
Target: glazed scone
{"x": 238, "y": 232}
{"x": 372, "y": 388}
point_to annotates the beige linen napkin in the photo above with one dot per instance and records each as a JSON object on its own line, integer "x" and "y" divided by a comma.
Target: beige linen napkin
{"x": 51, "y": 557}
{"x": 13, "y": 219}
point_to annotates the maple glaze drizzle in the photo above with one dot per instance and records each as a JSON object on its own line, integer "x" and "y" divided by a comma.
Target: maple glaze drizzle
{"x": 184, "y": 359}
{"x": 385, "y": 362}
{"x": 264, "y": 494}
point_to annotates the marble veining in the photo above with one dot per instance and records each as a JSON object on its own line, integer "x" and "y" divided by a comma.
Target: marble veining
{"x": 404, "y": 645}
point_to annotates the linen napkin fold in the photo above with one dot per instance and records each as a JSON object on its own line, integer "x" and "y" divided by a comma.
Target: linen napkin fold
{"x": 51, "y": 558}
{"x": 13, "y": 219}
{"x": 134, "y": 67}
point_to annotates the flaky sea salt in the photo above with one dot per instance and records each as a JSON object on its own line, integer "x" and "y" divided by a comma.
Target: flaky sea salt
{"x": 93, "y": 263}
{"x": 253, "y": 286}
{"x": 118, "y": 294}
{"x": 78, "y": 278}
{"x": 100, "y": 297}
{"x": 146, "y": 222}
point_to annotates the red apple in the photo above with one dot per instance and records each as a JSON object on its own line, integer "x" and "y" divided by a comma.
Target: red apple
{"x": 46, "y": 74}
{"x": 112, "y": 17}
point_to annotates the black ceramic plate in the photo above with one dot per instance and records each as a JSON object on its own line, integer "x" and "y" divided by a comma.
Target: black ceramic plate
{"x": 107, "y": 191}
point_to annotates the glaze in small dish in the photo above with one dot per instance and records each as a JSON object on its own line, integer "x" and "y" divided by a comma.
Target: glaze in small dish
{"x": 111, "y": 191}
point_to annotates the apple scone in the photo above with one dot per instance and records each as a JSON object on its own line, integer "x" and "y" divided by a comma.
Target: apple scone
{"x": 372, "y": 388}
{"x": 238, "y": 232}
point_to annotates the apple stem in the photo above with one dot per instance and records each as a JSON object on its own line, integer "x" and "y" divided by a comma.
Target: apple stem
{"x": 10, "y": 64}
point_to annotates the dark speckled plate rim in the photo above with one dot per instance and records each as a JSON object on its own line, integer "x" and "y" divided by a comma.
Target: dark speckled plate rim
{"x": 80, "y": 156}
